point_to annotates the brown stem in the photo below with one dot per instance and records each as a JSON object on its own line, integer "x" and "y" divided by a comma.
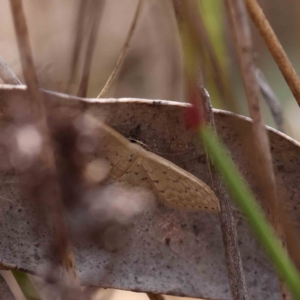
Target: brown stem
{"x": 80, "y": 30}
{"x": 123, "y": 51}
{"x": 228, "y": 224}
{"x": 274, "y": 47}
{"x": 202, "y": 38}
{"x": 242, "y": 38}
{"x": 83, "y": 86}
{"x": 6, "y": 74}
{"x": 271, "y": 100}
{"x": 185, "y": 12}
{"x": 44, "y": 167}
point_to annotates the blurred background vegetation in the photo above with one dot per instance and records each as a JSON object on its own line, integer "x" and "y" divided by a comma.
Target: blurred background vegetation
{"x": 153, "y": 64}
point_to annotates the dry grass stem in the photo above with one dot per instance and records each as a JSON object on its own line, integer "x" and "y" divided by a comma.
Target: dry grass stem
{"x": 80, "y": 32}
{"x": 123, "y": 51}
{"x": 206, "y": 49}
{"x": 275, "y": 47}
{"x": 6, "y": 74}
{"x": 45, "y": 163}
{"x": 187, "y": 12}
{"x": 95, "y": 15}
{"x": 234, "y": 264}
{"x": 243, "y": 44}
{"x": 271, "y": 100}
{"x": 25, "y": 52}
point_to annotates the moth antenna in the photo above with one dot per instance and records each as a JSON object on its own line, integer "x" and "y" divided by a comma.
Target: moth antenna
{"x": 146, "y": 147}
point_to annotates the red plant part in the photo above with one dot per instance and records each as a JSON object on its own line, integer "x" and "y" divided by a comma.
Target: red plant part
{"x": 194, "y": 116}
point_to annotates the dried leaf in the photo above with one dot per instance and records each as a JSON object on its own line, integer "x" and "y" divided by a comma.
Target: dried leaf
{"x": 161, "y": 250}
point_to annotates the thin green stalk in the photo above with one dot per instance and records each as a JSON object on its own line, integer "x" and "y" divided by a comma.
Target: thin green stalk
{"x": 26, "y": 285}
{"x": 247, "y": 203}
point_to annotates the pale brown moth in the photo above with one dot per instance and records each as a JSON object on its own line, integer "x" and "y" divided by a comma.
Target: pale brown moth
{"x": 133, "y": 165}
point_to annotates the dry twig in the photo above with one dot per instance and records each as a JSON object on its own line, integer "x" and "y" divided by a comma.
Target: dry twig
{"x": 123, "y": 51}
{"x": 44, "y": 165}
{"x": 242, "y": 37}
{"x": 275, "y": 47}
{"x": 227, "y": 221}
{"x": 187, "y": 11}
{"x": 95, "y": 16}
{"x": 206, "y": 47}
{"x": 271, "y": 100}
{"x": 6, "y": 74}
{"x": 80, "y": 30}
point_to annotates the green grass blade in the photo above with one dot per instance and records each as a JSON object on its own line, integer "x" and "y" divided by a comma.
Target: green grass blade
{"x": 247, "y": 203}
{"x": 26, "y": 285}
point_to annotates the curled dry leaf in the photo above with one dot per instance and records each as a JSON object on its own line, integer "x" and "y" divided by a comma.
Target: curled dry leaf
{"x": 161, "y": 250}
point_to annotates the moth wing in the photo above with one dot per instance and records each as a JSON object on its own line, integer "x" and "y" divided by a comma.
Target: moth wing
{"x": 174, "y": 186}
{"x": 136, "y": 176}
{"x": 116, "y": 150}
{"x": 178, "y": 188}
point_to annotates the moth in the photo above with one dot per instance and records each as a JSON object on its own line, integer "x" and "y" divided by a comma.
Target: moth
{"x": 130, "y": 163}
